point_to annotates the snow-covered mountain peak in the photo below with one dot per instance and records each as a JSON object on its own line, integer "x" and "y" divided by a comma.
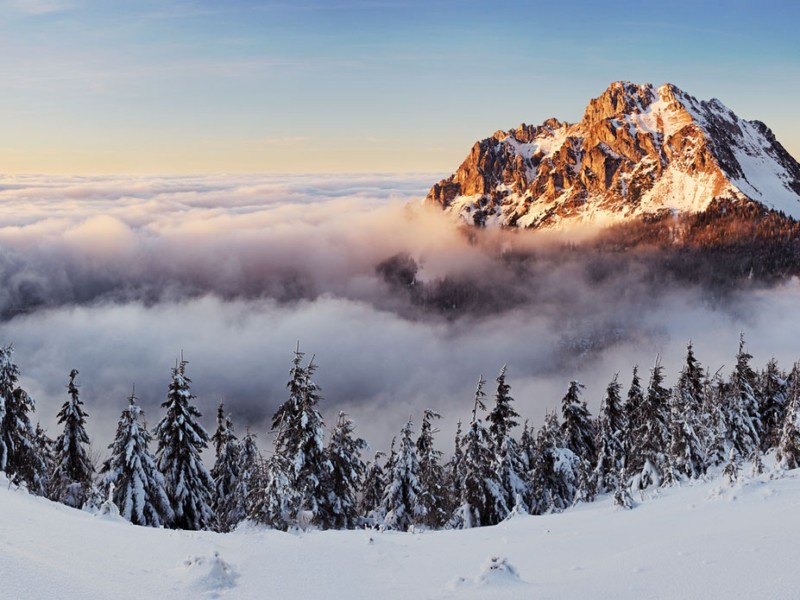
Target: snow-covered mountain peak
{"x": 638, "y": 150}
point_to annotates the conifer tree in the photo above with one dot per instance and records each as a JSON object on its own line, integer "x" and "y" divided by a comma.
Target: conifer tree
{"x": 369, "y": 504}
{"x": 275, "y": 504}
{"x": 633, "y": 413}
{"x": 401, "y": 499}
{"x": 73, "y": 471}
{"x": 482, "y": 501}
{"x": 717, "y": 440}
{"x": 225, "y": 471}
{"x": 19, "y": 456}
{"x": 507, "y": 462}
{"x": 299, "y": 441}
{"x": 648, "y": 455}
{"x": 686, "y": 451}
{"x": 556, "y": 471}
{"x": 611, "y": 427}
{"x": 577, "y": 428}
{"x": 788, "y": 454}
{"x": 433, "y": 500}
{"x": 134, "y": 483}
{"x": 454, "y": 471}
{"x": 181, "y": 438}
{"x": 742, "y": 410}
{"x": 771, "y": 391}
{"x": 248, "y": 467}
{"x": 45, "y": 450}
{"x": 344, "y": 453}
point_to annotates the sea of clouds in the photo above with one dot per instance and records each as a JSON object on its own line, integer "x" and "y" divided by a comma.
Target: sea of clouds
{"x": 117, "y": 276}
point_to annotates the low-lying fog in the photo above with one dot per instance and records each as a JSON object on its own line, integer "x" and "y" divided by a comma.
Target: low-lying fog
{"x": 117, "y": 276}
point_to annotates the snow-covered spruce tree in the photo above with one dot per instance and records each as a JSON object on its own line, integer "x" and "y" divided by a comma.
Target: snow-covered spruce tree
{"x": 647, "y": 458}
{"x": 633, "y": 413}
{"x": 19, "y": 456}
{"x": 454, "y": 471}
{"x": 611, "y": 427}
{"x": 578, "y": 432}
{"x": 73, "y": 471}
{"x": 788, "y": 454}
{"x": 771, "y": 393}
{"x": 275, "y": 503}
{"x": 507, "y": 461}
{"x": 433, "y": 500}
{"x": 181, "y": 438}
{"x": 741, "y": 406}
{"x": 403, "y": 488}
{"x": 45, "y": 449}
{"x": 687, "y": 448}
{"x": 248, "y": 467}
{"x": 299, "y": 441}
{"x": 344, "y": 453}
{"x": 369, "y": 503}
{"x": 482, "y": 501}
{"x": 555, "y": 475}
{"x": 717, "y": 442}
{"x": 138, "y": 486}
{"x": 225, "y": 471}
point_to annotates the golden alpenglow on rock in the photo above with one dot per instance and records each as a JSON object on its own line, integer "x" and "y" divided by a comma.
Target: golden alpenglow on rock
{"x": 638, "y": 151}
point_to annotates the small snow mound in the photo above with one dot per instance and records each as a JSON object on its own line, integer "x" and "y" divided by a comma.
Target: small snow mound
{"x": 214, "y": 576}
{"x": 497, "y": 570}
{"x": 108, "y": 510}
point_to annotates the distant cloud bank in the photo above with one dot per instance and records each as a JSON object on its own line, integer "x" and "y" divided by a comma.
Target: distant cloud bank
{"x": 115, "y": 276}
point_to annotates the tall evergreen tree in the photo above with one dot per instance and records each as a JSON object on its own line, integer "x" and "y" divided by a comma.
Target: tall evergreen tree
{"x": 788, "y": 454}
{"x": 401, "y": 499}
{"x": 299, "y": 441}
{"x": 181, "y": 438}
{"x": 633, "y": 413}
{"x": 369, "y": 504}
{"x": 19, "y": 456}
{"x": 248, "y": 467}
{"x": 73, "y": 471}
{"x": 138, "y": 486}
{"x": 482, "y": 501}
{"x": 771, "y": 391}
{"x": 433, "y": 500}
{"x": 344, "y": 453}
{"x": 45, "y": 450}
{"x": 647, "y": 457}
{"x": 454, "y": 471}
{"x": 578, "y": 432}
{"x": 687, "y": 449}
{"x": 225, "y": 471}
{"x": 507, "y": 462}
{"x": 611, "y": 428}
{"x": 577, "y": 428}
{"x": 556, "y": 470}
{"x": 741, "y": 406}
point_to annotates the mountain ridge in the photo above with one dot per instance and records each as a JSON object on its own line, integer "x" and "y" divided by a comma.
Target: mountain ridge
{"x": 638, "y": 151}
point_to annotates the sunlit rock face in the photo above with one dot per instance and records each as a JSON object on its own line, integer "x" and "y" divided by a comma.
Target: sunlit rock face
{"x": 638, "y": 151}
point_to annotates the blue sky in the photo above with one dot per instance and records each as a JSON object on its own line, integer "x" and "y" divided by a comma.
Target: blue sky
{"x": 370, "y": 85}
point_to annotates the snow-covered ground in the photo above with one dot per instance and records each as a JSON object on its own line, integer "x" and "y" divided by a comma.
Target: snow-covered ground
{"x": 707, "y": 540}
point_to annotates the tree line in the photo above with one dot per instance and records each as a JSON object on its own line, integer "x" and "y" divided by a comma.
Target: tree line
{"x": 650, "y": 437}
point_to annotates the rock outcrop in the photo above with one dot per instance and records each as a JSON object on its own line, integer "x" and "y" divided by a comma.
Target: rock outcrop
{"x": 637, "y": 151}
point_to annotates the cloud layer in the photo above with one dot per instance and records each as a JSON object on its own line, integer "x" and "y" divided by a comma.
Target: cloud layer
{"x": 115, "y": 276}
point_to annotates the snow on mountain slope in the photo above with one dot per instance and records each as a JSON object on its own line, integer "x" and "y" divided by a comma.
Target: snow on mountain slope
{"x": 638, "y": 150}
{"x": 708, "y": 540}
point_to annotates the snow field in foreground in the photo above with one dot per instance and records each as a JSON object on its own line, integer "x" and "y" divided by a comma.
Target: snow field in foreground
{"x": 707, "y": 540}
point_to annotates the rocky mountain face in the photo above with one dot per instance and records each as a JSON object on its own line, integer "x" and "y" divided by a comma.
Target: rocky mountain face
{"x": 638, "y": 151}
